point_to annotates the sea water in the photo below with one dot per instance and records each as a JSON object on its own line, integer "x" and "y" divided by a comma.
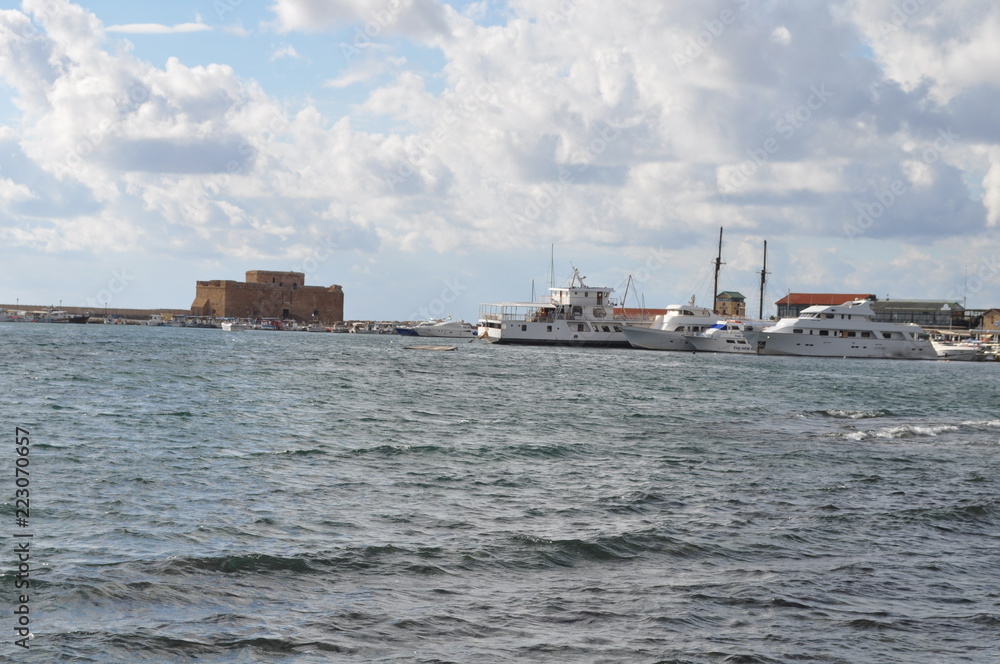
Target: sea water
{"x": 199, "y": 495}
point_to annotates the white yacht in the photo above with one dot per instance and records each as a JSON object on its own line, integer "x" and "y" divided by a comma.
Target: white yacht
{"x": 959, "y": 351}
{"x": 844, "y": 330}
{"x": 439, "y": 327}
{"x": 578, "y": 315}
{"x": 669, "y": 329}
{"x": 726, "y": 336}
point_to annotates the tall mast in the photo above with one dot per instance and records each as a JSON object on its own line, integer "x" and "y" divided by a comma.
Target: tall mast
{"x": 718, "y": 265}
{"x": 763, "y": 278}
{"x": 552, "y": 266}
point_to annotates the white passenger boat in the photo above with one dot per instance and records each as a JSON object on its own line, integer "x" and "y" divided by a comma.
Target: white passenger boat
{"x": 844, "y": 330}
{"x": 439, "y": 327}
{"x": 669, "y": 329}
{"x": 235, "y": 326}
{"x": 579, "y": 315}
{"x": 727, "y": 336}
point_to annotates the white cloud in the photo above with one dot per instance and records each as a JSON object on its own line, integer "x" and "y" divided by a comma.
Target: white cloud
{"x": 158, "y": 29}
{"x": 424, "y": 19}
{"x": 617, "y": 125}
{"x": 286, "y": 51}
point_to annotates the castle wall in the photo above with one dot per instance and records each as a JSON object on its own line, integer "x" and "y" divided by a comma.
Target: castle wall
{"x": 284, "y": 297}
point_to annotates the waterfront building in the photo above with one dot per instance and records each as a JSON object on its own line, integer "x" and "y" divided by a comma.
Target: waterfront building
{"x": 926, "y": 313}
{"x": 730, "y": 304}
{"x": 793, "y": 304}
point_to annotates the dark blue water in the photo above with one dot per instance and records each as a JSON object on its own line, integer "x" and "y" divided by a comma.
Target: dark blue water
{"x": 206, "y": 496}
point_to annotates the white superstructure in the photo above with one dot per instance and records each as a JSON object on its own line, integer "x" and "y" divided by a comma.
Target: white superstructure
{"x": 669, "y": 329}
{"x": 844, "y": 330}
{"x": 574, "y": 315}
{"x": 727, "y": 336}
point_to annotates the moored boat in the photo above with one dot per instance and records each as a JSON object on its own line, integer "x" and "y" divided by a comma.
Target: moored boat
{"x": 843, "y": 330}
{"x": 669, "y": 330}
{"x": 959, "y": 351}
{"x": 235, "y": 326}
{"x": 438, "y": 327}
{"x": 574, "y": 315}
{"x": 728, "y": 336}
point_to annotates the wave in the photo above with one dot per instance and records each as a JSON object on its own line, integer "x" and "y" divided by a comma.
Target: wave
{"x": 571, "y": 552}
{"x": 853, "y": 414}
{"x": 902, "y": 431}
{"x": 235, "y": 564}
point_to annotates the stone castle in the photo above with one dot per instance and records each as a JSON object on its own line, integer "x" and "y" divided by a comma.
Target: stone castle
{"x": 267, "y": 294}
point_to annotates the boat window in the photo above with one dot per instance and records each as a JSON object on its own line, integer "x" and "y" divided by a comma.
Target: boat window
{"x": 524, "y": 328}
{"x": 797, "y": 331}
{"x": 618, "y": 328}
{"x": 866, "y": 335}
{"x": 607, "y": 329}
{"x": 579, "y": 327}
{"x": 887, "y": 335}
{"x": 824, "y": 333}
{"x": 730, "y": 341}
{"x": 549, "y": 328}
{"x": 830, "y": 315}
{"x": 850, "y": 334}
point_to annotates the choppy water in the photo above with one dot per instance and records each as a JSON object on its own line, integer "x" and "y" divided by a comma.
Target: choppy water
{"x": 206, "y": 496}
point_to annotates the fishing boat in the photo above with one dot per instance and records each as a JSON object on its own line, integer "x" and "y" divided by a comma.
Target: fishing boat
{"x": 843, "y": 330}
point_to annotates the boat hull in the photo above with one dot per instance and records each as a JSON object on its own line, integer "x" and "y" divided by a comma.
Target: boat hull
{"x": 738, "y": 345}
{"x": 452, "y": 333}
{"x": 652, "y": 339}
{"x": 556, "y": 333}
{"x": 889, "y": 349}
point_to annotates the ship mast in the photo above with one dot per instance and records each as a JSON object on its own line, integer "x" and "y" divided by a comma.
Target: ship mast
{"x": 718, "y": 265}
{"x": 763, "y": 278}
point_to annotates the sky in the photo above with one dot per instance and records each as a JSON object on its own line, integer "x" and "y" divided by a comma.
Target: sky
{"x": 430, "y": 156}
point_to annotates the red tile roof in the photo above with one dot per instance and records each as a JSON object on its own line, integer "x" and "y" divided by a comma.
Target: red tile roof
{"x": 822, "y": 298}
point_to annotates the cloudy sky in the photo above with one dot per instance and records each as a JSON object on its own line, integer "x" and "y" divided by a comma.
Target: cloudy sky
{"x": 431, "y": 155}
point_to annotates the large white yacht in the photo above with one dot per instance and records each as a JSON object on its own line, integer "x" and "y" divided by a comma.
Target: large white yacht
{"x": 579, "y": 315}
{"x": 438, "y": 327}
{"x": 727, "y": 336}
{"x": 669, "y": 329}
{"x": 844, "y": 330}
